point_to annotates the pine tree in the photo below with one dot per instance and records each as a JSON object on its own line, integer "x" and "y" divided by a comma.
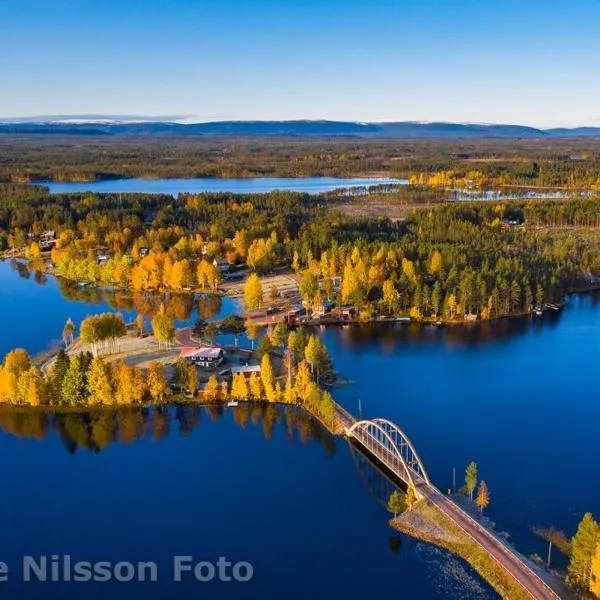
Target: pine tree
{"x": 583, "y": 549}
{"x": 471, "y": 479}
{"x": 74, "y": 387}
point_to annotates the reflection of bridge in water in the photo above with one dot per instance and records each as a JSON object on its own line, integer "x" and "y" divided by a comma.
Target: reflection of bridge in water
{"x": 385, "y": 443}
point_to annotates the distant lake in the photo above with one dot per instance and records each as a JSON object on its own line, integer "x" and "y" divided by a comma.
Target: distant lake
{"x": 258, "y": 185}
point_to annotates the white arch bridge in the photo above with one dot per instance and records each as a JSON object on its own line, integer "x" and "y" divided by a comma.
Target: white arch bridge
{"x": 386, "y": 442}
{"x": 392, "y": 447}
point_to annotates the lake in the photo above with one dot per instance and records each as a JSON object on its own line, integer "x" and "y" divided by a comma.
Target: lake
{"x": 310, "y": 185}
{"x": 517, "y": 396}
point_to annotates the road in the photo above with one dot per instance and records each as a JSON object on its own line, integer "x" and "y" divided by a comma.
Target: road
{"x": 504, "y": 556}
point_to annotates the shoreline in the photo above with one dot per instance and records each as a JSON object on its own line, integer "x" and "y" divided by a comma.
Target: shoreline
{"x": 229, "y": 289}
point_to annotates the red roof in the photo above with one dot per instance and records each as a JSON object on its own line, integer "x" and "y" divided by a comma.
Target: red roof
{"x": 191, "y": 351}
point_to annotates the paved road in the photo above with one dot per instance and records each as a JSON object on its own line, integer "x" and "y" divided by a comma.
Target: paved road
{"x": 503, "y": 555}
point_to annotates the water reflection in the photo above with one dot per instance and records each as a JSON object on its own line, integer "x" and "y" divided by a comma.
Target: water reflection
{"x": 388, "y": 337}
{"x": 95, "y": 430}
{"x": 180, "y": 306}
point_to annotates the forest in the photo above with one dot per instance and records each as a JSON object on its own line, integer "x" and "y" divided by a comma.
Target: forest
{"x": 456, "y": 261}
{"x": 569, "y": 163}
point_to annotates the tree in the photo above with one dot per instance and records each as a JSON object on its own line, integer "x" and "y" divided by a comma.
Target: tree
{"x": 163, "y": 327}
{"x": 100, "y": 386}
{"x": 180, "y": 373}
{"x": 140, "y": 324}
{"x": 192, "y": 382}
{"x": 256, "y": 390}
{"x": 471, "y": 479}
{"x": 267, "y": 378}
{"x": 68, "y": 332}
{"x": 411, "y": 498}
{"x": 264, "y": 346}
{"x": 75, "y": 383}
{"x": 583, "y": 548}
{"x": 483, "y": 496}
{"x": 390, "y": 296}
{"x": 309, "y": 286}
{"x": 253, "y": 293}
{"x": 316, "y": 355}
{"x": 232, "y": 325}
{"x": 211, "y": 331}
{"x": 57, "y": 374}
{"x": 595, "y": 579}
{"x": 252, "y": 330}
{"x": 278, "y": 335}
{"x": 211, "y": 391}
{"x": 239, "y": 387}
{"x": 158, "y": 385}
{"x": 435, "y": 263}
{"x": 396, "y": 503}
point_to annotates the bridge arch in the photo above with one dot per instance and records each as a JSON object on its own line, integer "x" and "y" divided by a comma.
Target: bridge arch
{"x": 389, "y": 436}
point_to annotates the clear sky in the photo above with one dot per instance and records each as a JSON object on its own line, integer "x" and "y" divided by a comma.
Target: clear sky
{"x": 533, "y": 62}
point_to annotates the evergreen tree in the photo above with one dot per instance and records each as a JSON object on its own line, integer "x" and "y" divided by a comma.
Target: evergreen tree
{"x": 471, "y": 479}
{"x": 75, "y": 383}
{"x": 583, "y": 548}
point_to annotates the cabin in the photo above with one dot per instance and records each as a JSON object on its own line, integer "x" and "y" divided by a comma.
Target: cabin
{"x": 343, "y": 313}
{"x": 295, "y": 316}
{"x": 246, "y": 370}
{"x": 324, "y": 307}
{"x": 207, "y": 357}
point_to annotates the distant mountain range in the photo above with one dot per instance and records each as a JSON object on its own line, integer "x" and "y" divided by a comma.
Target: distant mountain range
{"x": 138, "y": 127}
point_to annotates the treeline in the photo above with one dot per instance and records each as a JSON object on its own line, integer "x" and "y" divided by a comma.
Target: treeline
{"x": 483, "y": 259}
{"x": 557, "y": 162}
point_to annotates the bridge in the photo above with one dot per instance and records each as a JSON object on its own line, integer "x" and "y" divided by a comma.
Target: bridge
{"x": 391, "y": 447}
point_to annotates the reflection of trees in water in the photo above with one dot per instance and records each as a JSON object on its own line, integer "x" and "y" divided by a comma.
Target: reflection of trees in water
{"x": 389, "y": 337}
{"x": 208, "y": 305}
{"x": 94, "y": 430}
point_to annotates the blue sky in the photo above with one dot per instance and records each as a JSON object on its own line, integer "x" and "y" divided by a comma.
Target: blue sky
{"x": 533, "y": 62}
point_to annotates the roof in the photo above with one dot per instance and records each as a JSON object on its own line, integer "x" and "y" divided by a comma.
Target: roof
{"x": 245, "y": 369}
{"x": 207, "y": 352}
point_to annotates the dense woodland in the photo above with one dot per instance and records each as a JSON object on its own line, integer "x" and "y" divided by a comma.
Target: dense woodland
{"x": 556, "y": 162}
{"x": 459, "y": 260}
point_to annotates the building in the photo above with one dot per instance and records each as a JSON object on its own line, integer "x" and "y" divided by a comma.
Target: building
{"x": 246, "y": 370}
{"x": 208, "y": 357}
{"x": 324, "y": 307}
{"x": 295, "y": 316}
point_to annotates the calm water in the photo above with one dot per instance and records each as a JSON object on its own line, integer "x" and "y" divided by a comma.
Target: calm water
{"x": 311, "y": 185}
{"x": 519, "y": 397}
